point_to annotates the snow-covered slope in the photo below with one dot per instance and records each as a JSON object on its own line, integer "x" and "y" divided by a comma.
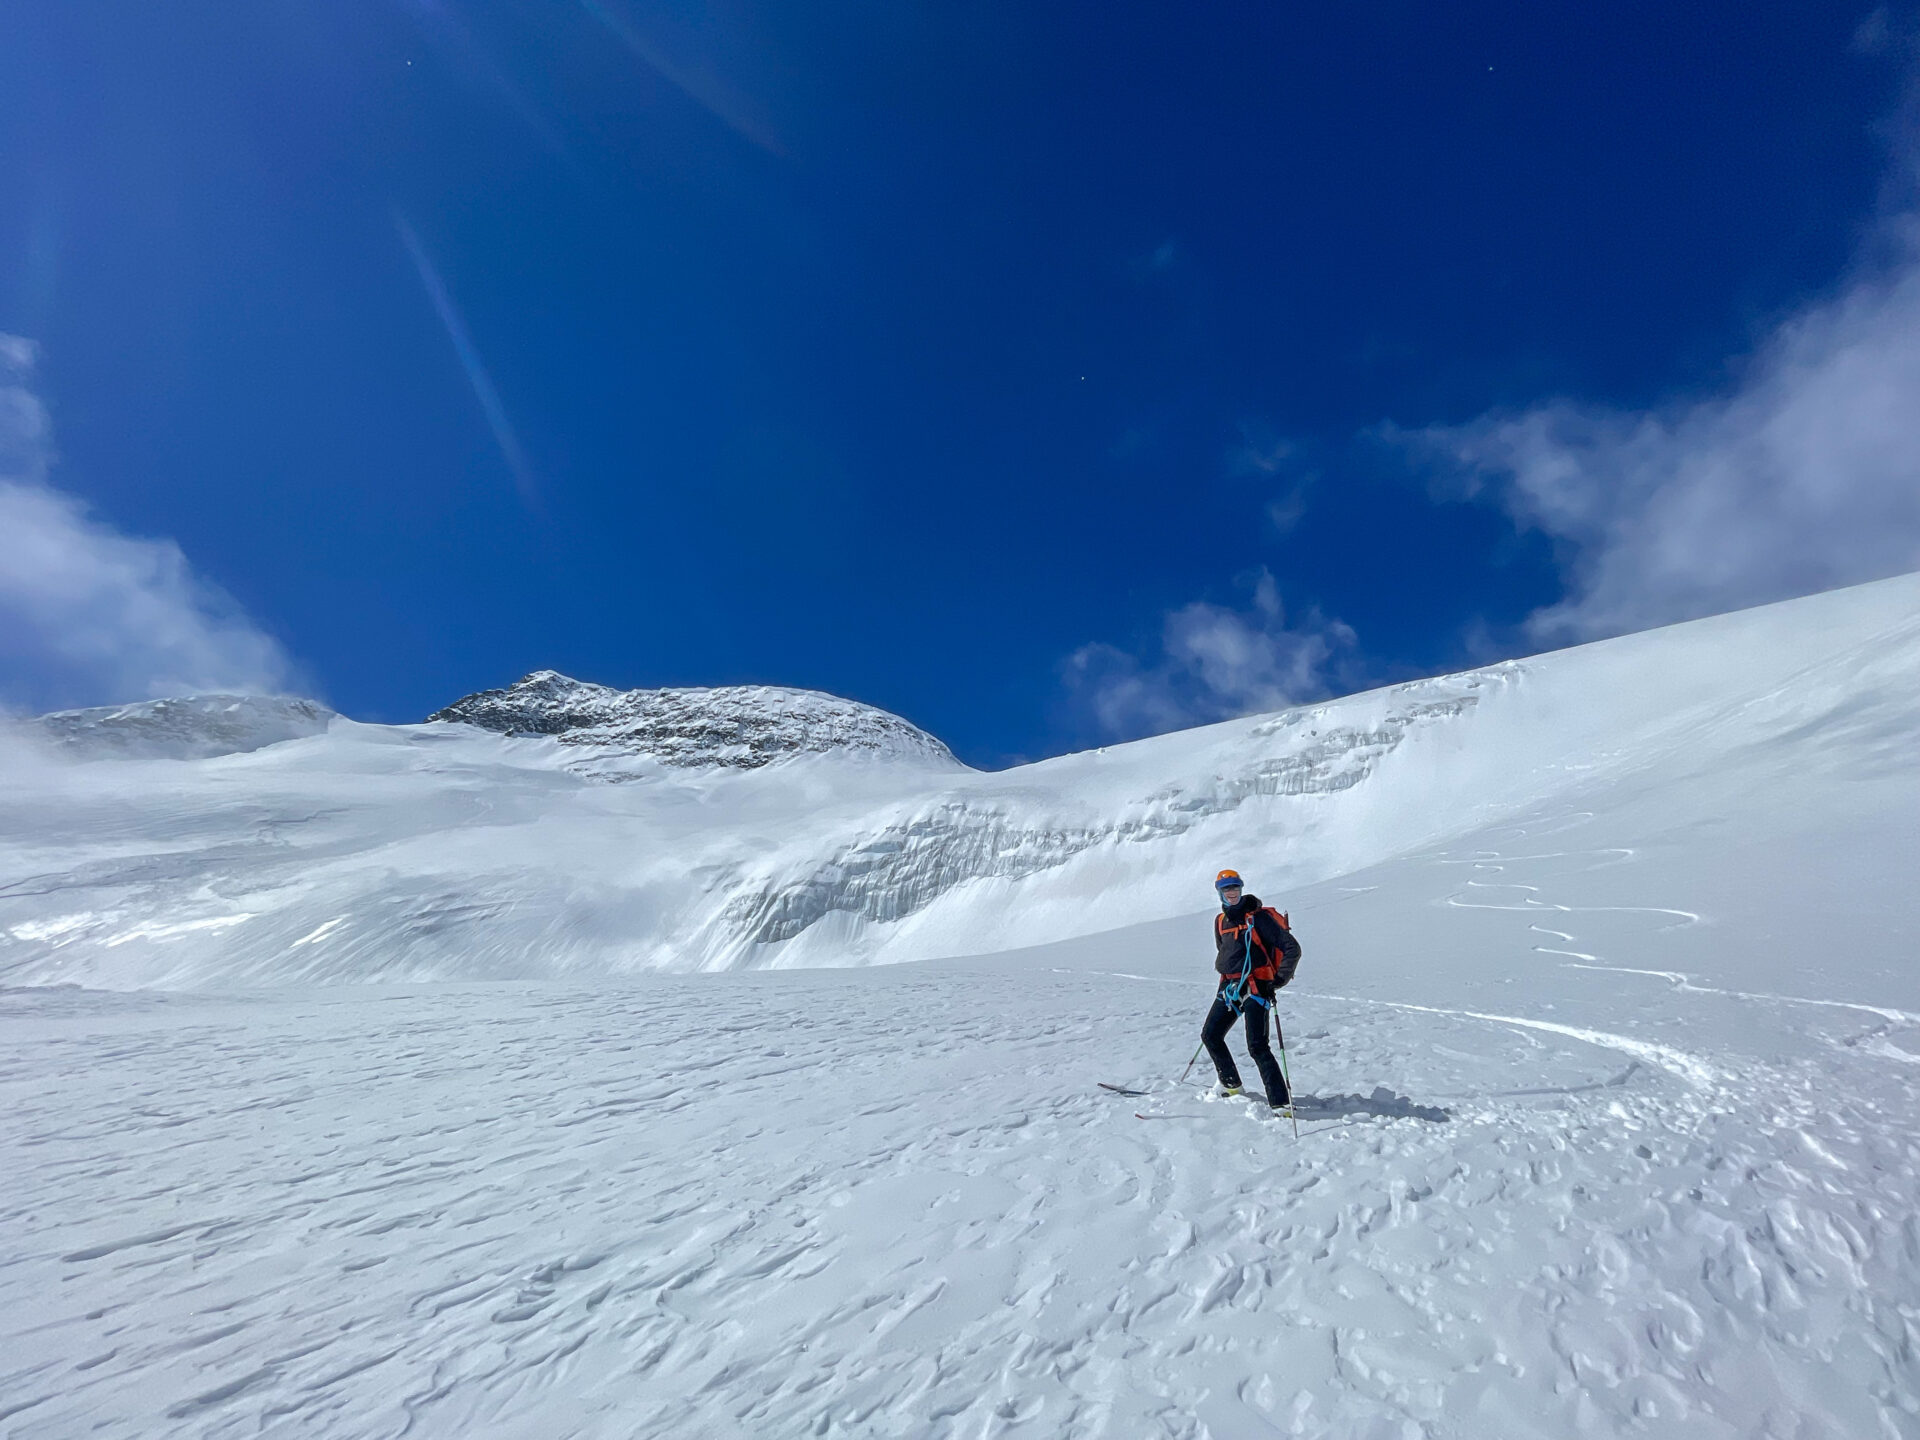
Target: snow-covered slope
{"x": 1607, "y": 1039}
{"x": 446, "y": 852}
{"x": 742, "y": 726}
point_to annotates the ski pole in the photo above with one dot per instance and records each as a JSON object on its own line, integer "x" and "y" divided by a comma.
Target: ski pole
{"x": 1282, "y": 1039}
{"x": 1189, "y": 1070}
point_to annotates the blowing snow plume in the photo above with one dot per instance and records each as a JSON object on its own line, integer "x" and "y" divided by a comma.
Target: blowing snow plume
{"x": 91, "y": 615}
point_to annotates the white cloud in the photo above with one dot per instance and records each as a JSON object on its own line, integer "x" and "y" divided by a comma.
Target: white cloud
{"x": 1261, "y": 452}
{"x": 1214, "y": 663}
{"x": 89, "y": 615}
{"x": 1802, "y": 475}
{"x": 1269, "y": 456}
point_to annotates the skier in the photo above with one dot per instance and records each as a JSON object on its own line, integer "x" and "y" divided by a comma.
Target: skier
{"x": 1255, "y": 954}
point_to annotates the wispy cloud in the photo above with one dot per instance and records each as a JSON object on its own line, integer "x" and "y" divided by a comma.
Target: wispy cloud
{"x": 1213, "y": 663}
{"x": 1146, "y": 264}
{"x": 89, "y": 615}
{"x": 1280, "y": 462}
{"x": 1261, "y": 452}
{"x": 469, "y": 355}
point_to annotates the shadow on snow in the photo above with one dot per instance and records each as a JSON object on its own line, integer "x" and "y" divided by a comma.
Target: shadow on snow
{"x": 1382, "y": 1103}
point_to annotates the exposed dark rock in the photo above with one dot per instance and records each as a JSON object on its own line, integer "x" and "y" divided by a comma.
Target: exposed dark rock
{"x": 742, "y": 726}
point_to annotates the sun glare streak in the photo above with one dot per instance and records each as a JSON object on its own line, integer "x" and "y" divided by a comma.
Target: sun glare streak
{"x": 466, "y": 56}
{"x": 701, "y": 86}
{"x": 489, "y": 398}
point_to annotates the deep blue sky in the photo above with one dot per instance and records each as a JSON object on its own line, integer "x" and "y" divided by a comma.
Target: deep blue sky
{"x": 893, "y": 350}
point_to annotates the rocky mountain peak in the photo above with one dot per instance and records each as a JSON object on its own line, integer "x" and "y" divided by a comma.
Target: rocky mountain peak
{"x": 738, "y": 726}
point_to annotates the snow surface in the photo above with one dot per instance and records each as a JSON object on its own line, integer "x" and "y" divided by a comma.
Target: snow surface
{"x": 1608, "y": 1024}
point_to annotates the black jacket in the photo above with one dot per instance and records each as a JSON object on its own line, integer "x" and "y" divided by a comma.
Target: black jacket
{"x": 1230, "y": 958}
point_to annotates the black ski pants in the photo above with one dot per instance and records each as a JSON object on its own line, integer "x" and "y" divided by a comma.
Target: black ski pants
{"x": 1213, "y": 1035}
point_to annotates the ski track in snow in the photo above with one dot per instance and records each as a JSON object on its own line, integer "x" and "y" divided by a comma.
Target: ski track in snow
{"x": 1688, "y": 1067}
{"x": 1497, "y": 863}
{"x": 896, "y": 1205}
{"x": 1684, "y": 982}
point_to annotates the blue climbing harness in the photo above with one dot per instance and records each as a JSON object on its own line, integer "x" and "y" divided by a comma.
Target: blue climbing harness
{"x": 1241, "y": 990}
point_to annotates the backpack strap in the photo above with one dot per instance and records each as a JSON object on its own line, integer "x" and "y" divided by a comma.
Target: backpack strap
{"x": 1264, "y": 963}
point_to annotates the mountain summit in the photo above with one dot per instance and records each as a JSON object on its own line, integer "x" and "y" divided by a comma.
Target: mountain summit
{"x": 740, "y": 726}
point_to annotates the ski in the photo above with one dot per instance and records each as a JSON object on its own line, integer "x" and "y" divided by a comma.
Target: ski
{"x": 1282, "y": 1112}
{"x": 1119, "y": 1089}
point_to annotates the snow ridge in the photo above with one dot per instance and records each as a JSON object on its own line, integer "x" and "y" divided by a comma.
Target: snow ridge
{"x": 738, "y": 726}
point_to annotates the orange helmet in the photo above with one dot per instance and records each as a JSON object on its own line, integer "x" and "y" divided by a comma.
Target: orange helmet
{"x": 1228, "y": 880}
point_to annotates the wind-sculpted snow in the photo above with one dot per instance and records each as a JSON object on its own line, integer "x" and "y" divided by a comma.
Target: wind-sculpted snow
{"x": 1530, "y": 1196}
{"x": 194, "y": 727}
{"x": 741, "y": 726}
